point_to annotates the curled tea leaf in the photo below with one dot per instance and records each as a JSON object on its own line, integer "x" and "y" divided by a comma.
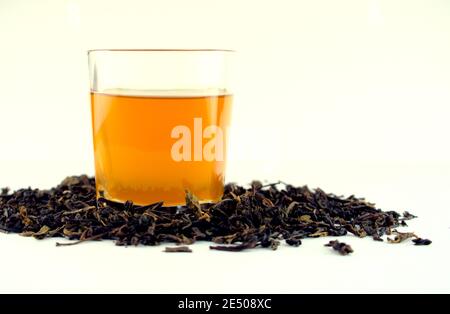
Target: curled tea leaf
{"x": 318, "y": 234}
{"x": 235, "y": 248}
{"x": 420, "y": 241}
{"x": 341, "y": 247}
{"x": 401, "y": 236}
{"x": 305, "y": 218}
{"x": 177, "y": 249}
{"x": 39, "y": 234}
{"x": 407, "y": 216}
{"x": 193, "y": 203}
{"x": 24, "y": 215}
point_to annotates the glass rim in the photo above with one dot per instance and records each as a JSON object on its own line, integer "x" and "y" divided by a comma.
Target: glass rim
{"x": 160, "y": 50}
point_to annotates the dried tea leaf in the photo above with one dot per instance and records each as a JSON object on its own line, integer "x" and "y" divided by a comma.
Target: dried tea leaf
{"x": 177, "y": 249}
{"x": 267, "y": 202}
{"x": 291, "y": 206}
{"x": 274, "y": 244}
{"x": 401, "y": 236}
{"x": 96, "y": 237}
{"x": 39, "y": 235}
{"x": 235, "y": 248}
{"x": 420, "y": 241}
{"x": 71, "y": 234}
{"x": 407, "y": 216}
{"x": 305, "y": 218}
{"x": 23, "y": 214}
{"x": 225, "y": 239}
{"x": 256, "y": 185}
{"x": 42, "y": 232}
{"x": 294, "y": 241}
{"x": 341, "y": 247}
{"x": 318, "y": 234}
{"x": 76, "y": 211}
{"x": 193, "y": 203}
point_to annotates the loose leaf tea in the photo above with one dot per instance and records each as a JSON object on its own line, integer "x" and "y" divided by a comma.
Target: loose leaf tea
{"x": 235, "y": 248}
{"x": 245, "y": 218}
{"x": 340, "y": 247}
{"x": 401, "y": 236}
{"x": 420, "y": 241}
{"x": 177, "y": 249}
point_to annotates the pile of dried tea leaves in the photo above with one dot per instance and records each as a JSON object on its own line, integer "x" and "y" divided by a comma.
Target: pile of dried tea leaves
{"x": 257, "y": 216}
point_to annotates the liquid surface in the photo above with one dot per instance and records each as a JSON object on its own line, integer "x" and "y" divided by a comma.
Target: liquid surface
{"x": 133, "y": 145}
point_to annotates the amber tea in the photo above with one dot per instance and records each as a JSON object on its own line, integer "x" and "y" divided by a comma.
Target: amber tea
{"x": 160, "y": 119}
{"x": 151, "y": 147}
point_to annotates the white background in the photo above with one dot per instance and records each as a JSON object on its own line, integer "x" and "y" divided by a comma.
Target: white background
{"x": 351, "y": 96}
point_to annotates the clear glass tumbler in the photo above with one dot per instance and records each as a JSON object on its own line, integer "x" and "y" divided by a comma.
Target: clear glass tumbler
{"x": 160, "y": 121}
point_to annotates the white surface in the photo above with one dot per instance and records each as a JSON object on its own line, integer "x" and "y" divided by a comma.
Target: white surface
{"x": 40, "y": 266}
{"x": 350, "y": 95}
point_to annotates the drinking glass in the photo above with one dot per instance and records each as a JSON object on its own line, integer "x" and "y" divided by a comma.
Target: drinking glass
{"x": 160, "y": 120}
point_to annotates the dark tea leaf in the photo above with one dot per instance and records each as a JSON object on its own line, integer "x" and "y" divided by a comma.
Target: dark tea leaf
{"x": 235, "y": 248}
{"x": 401, "y": 236}
{"x": 177, "y": 249}
{"x": 420, "y": 241}
{"x": 340, "y": 247}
